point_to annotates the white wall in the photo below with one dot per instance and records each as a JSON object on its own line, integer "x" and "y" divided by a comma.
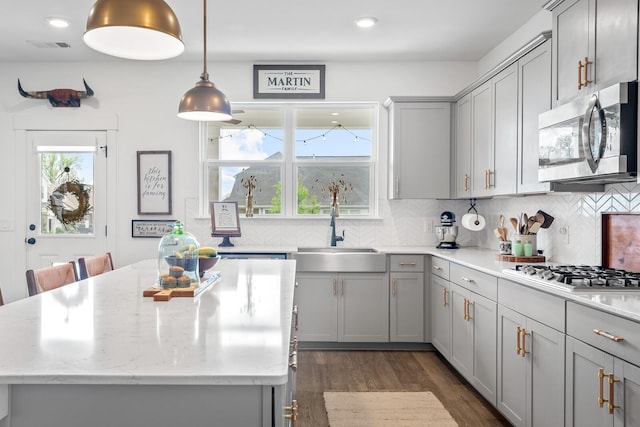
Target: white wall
{"x": 145, "y": 98}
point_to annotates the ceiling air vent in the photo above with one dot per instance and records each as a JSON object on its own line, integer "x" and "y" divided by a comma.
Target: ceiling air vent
{"x": 48, "y": 45}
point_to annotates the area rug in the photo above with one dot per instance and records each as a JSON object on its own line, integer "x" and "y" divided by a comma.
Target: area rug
{"x": 386, "y": 409}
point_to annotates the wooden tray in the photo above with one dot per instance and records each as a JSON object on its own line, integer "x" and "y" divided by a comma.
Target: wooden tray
{"x": 160, "y": 294}
{"x": 513, "y": 258}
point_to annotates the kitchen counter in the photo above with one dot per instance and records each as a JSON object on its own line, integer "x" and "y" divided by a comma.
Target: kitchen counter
{"x": 102, "y": 331}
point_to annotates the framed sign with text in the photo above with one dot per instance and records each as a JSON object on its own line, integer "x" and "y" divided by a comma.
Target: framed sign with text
{"x": 288, "y": 81}
{"x": 151, "y": 228}
{"x": 154, "y": 182}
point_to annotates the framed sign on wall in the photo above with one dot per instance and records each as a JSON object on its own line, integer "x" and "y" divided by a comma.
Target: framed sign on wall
{"x": 288, "y": 81}
{"x": 151, "y": 228}
{"x": 154, "y": 182}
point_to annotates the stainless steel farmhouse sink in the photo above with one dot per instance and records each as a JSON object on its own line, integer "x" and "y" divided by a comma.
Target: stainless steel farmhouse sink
{"x": 340, "y": 259}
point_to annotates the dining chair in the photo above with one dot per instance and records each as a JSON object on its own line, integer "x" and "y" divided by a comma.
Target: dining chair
{"x": 47, "y": 278}
{"x": 92, "y": 266}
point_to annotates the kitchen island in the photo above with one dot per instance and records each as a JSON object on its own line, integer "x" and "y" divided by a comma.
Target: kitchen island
{"x": 97, "y": 353}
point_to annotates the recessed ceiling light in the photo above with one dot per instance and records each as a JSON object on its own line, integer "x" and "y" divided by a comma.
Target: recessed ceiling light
{"x": 58, "y": 22}
{"x": 366, "y": 21}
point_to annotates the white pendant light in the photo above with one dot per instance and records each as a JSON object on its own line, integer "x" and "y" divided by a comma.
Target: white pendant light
{"x": 134, "y": 29}
{"x": 204, "y": 102}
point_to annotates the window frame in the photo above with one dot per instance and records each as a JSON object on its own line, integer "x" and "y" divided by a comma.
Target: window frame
{"x": 289, "y": 163}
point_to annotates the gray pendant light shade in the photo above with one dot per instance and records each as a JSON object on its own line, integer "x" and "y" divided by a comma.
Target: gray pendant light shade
{"x": 134, "y": 29}
{"x": 204, "y": 102}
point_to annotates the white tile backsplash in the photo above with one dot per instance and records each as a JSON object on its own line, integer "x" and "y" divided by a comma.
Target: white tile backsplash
{"x": 412, "y": 222}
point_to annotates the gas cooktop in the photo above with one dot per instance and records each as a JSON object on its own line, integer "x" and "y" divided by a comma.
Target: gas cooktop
{"x": 578, "y": 277}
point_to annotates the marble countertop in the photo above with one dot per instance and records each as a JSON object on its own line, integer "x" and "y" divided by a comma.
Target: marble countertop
{"x": 103, "y": 331}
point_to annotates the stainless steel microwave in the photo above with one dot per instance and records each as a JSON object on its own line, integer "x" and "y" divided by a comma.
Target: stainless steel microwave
{"x": 592, "y": 138}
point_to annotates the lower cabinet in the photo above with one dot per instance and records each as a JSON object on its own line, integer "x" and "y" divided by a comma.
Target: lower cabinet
{"x": 440, "y": 315}
{"x": 406, "y": 298}
{"x": 344, "y": 307}
{"x": 473, "y": 339}
{"x": 602, "y": 390}
{"x": 530, "y": 371}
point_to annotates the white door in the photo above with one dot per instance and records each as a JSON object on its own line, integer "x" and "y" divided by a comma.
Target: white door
{"x": 65, "y": 196}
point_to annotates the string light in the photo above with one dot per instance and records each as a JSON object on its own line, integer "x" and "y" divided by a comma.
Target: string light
{"x": 322, "y": 136}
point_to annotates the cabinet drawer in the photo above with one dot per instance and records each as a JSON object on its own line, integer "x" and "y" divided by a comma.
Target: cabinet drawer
{"x": 541, "y": 307}
{"x": 474, "y": 280}
{"x": 583, "y": 321}
{"x": 440, "y": 267}
{"x": 407, "y": 263}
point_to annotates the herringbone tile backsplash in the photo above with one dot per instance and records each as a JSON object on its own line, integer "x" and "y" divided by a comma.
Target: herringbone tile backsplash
{"x": 574, "y": 237}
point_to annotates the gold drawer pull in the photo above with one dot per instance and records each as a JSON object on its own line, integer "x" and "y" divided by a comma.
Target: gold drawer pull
{"x": 523, "y": 351}
{"x": 612, "y": 405}
{"x": 518, "y": 348}
{"x": 608, "y": 335}
{"x": 407, "y": 264}
{"x": 437, "y": 268}
{"x": 601, "y": 376}
{"x": 466, "y": 279}
{"x": 444, "y": 297}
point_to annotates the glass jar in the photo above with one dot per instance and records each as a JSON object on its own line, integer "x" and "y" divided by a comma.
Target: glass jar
{"x": 177, "y": 259}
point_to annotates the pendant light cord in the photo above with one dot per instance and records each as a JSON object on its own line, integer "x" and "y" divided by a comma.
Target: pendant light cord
{"x": 205, "y": 74}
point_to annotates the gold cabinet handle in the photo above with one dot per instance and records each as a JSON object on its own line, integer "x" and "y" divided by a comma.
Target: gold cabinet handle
{"x": 295, "y": 314}
{"x": 407, "y": 264}
{"x": 393, "y": 287}
{"x": 466, "y": 182}
{"x": 585, "y": 69}
{"x": 608, "y": 335}
{"x": 293, "y": 345}
{"x": 488, "y": 178}
{"x": 580, "y": 75}
{"x": 518, "y": 348}
{"x": 444, "y": 297}
{"x": 437, "y": 268}
{"x": 612, "y": 405}
{"x": 342, "y": 287}
{"x": 293, "y": 413}
{"x": 334, "y": 287}
{"x": 466, "y": 279}
{"x": 523, "y": 351}
{"x": 464, "y": 309}
{"x": 601, "y": 398}
{"x": 468, "y": 312}
{"x": 294, "y": 361}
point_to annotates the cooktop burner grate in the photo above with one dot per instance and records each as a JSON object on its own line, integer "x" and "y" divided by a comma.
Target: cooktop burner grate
{"x": 581, "y": 277}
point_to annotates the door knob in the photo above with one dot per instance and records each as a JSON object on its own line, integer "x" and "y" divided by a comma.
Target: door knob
{"x": 31, "y": 240}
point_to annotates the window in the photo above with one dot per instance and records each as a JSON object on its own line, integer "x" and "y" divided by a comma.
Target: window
{"x": 295, "y": 154}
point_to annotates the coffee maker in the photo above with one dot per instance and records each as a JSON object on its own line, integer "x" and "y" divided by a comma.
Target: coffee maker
{"x": 447, "y": 232}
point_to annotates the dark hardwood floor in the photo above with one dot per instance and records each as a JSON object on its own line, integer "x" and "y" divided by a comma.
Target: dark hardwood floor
{"x": 320, "y": 371}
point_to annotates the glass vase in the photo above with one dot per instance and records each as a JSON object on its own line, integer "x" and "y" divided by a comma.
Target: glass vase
{"x": 177, "y": 259}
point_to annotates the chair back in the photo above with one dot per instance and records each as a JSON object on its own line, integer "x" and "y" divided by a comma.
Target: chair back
{"x": 47, "y": 278}
{"x": 92, "y": 266}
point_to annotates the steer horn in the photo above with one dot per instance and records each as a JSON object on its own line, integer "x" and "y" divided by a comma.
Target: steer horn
{"x": 59, "y": 97}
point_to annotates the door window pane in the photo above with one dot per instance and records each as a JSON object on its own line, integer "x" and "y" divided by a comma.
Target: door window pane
{"x": 66, "y": 192}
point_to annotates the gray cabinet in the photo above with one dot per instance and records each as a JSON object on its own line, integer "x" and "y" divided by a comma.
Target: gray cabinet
{"x": 406, "y": 299}
{"x": 462, "y": 175}
{"x": 501, "y": 179}
{"x": 344, "y": 307}
{"x": 440, "y": 315}
{"x": 535, "y": 98}
{"x": 474, "y": 328}
{"x": 419, "y": 148}
{"x": 602, "y": 374}
{"x": 530, "y": 356}
{"x": 482, "y": 160}
{"x": 595, "y": 45}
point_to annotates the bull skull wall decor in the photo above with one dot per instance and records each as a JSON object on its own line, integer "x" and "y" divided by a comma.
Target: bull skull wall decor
{"x": 59, "y": 97}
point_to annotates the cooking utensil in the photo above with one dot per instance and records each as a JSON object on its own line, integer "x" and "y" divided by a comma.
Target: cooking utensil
{"x": 548, "y": 219}
{"x": 535, "y": 228}
{"x": 498, "y": 234}
{"x": 514, "y": 223}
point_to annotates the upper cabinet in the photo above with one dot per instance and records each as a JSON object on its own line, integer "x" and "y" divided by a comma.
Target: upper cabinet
{"x": 534, "y": 70}
{"x": 594, "y": 45}
{"x": 419, "y": 148}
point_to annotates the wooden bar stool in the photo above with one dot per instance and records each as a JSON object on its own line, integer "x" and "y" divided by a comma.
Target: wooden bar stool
{"x": 47, "y": 278}
{"x": 92, "y": 266}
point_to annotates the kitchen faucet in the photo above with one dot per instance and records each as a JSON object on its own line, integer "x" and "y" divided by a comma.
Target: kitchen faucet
{"x": 334, "y": 237}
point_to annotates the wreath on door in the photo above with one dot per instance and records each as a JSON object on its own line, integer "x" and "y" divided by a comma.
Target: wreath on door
{"x": 70, "y": 202}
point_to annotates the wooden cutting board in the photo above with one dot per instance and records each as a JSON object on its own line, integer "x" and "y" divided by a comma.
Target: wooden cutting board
{"x": 160, "y": 294}
{"x": 621, "y": 241}
{"x": 513, "y": 258}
